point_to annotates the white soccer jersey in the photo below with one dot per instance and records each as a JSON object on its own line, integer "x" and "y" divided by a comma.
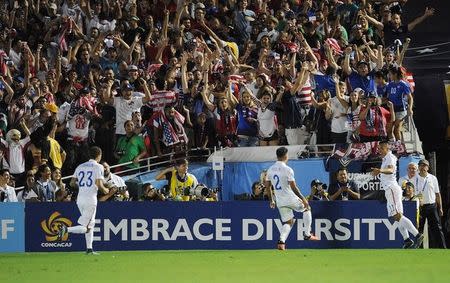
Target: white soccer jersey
{"x": 87, "y": 173}
{"x": 78, "y": 126}
{"x": 388, "y": 180}
{"x": 280, "y": 175}
{"x": 267, "y": 122}
{"x": 124, "y": 109}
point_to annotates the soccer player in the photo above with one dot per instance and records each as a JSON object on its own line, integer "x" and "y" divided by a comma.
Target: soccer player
{"x": 287, "y": 197}
{"x": 88, "y": 177}
{"x": 393, "y": 194}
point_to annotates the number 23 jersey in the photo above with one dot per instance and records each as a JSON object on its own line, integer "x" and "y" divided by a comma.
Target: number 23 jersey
{"x": 280, "y": 175}
{"x": 86, "y": 174}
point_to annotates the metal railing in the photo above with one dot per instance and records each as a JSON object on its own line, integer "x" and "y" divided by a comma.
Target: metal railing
{"x": 154, "y": 162}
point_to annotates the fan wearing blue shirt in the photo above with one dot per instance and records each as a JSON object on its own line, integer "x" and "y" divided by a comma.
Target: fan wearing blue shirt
{"x": 399, "y": 93}
{"x": 362, "y": 78}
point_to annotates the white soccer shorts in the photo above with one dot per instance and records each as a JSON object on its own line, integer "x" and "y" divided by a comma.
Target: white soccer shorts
{"x": 287, "y": 212}
{"x": 87, "y": 217}
{"x": 393, "y": 196}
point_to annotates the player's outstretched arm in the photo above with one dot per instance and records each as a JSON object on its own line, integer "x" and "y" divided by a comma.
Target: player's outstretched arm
{"x": 387, "y": 170}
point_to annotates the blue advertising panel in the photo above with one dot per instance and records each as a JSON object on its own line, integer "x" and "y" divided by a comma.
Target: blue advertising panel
{"x": 205, "y": 225}
{"x": 12, "y": 224}
{"x": 239, "y": 176}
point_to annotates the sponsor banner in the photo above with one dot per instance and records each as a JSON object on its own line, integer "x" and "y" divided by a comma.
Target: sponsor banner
{"x": 12, "y": 227}
{"x": 368, "y": 185}
{"x": 222, "y": 225}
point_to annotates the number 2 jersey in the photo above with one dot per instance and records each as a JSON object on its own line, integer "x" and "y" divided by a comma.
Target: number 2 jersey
{"x": 280, "y": 175}
{"x": 86, "y": 174}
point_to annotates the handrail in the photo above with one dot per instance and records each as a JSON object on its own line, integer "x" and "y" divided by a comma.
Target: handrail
{"x": 311, "y": 149}
{"x": 148, "y": 160}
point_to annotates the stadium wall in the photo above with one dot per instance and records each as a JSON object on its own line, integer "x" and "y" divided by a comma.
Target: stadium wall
{"x": 12, "y": 227}
{"x": 203, "y": 225}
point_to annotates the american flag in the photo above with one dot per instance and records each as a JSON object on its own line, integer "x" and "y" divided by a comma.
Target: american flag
{"x": 237, "y": 78}
{"x": 333, "y": 43}
{"x": 169, "y": 134}
{"x": 410, "y": 79}
{"x": 161, "y": 98}
{"x": 153, "y": 68}
{"x": 304, "y": 95}
{"x": 62, "y": 37}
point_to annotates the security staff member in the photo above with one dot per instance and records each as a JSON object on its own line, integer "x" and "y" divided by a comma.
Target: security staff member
{"x": 427, "y": 190}
{"x": 178, "y": 179}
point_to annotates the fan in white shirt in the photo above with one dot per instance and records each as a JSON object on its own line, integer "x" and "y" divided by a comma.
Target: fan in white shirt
{"x": 7, "y": 193}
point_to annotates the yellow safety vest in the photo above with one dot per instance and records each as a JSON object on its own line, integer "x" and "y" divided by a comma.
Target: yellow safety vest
{"x": 177, "y": 187}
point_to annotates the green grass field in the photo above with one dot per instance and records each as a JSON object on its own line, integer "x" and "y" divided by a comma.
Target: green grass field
{"x": 230, "y": 266}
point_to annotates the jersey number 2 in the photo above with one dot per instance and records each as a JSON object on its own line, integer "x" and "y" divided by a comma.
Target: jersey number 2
{"x": 277, "y": 185}
{"x": 82, "y": 182}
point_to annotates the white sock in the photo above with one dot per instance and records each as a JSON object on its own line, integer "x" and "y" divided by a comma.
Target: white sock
{"x": 404, "y": 232}
{"x": 77, "y": 229}
{"x": 407, "y": 224}
{"x": 285, "y": 232}
{"x": 89, "y": 238}
{"x": 307, "y": 220}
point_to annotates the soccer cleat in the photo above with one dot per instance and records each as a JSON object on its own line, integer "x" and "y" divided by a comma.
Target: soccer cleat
{"x": 62, "y": 232}
{"x": 408, "y": 244}
{"x": 91, "y": 252}
{"x": 281, "y": 246}
{"x": 418, "y": 241}
{"x": 310, "y": 238}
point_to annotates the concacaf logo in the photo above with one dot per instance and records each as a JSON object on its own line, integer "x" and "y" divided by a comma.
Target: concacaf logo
{"x": 52, "y": 224}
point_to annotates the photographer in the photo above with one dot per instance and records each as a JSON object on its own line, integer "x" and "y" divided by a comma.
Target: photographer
{"x": 258, "y": 188}
{"x": 151, "y": 194}
{"x": 343, "y": 189}
{"x": 118, "y": 188}
{"x": 178, "y": 179}
{"x": 408, "y": 192}
{"x": 318, "y": 191}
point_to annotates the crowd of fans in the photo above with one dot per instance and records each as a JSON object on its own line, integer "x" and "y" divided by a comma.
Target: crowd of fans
{"x": 143, "y": 78}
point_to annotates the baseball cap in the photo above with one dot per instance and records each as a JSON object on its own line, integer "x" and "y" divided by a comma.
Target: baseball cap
{"x": 133, "y": 68}
{"x": 424, "y": 162}
{"x": 372, "y": 94}
{"x": 51, "y": 107}
{"x": 134, "y": 18}
{"x": 362, "y": 62}
{"x": 200, "y": 6}
{"x": 127, "y": 87}
{"x": 316, "y": 182}
{"x": 359, "y": 90}
{"x": 85, "y": 90}
{"x": 410, "y": 184}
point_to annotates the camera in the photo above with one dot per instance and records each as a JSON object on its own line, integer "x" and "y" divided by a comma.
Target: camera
{"x": 199, "y": 191}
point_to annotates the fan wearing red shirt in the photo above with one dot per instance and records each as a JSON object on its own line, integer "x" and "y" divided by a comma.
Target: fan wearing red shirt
{"x": 374, "y": 119}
